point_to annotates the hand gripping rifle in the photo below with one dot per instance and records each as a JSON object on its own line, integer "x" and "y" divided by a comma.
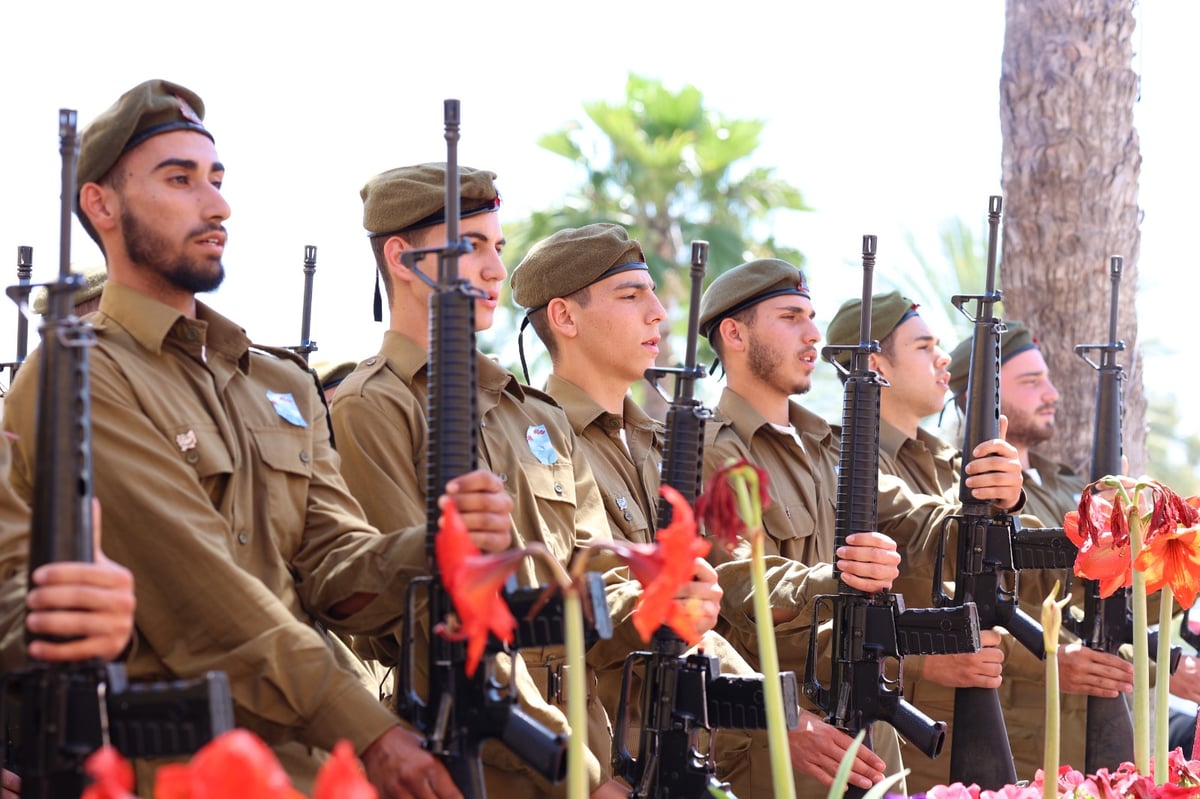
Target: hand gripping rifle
{"x": 869, "y": 630}
{"x": 462, "y": 712}
{"x": 307, "y": 345}
{"x": 683, "y": 696}
{"x": 67, "y": 710}
{"x": 992, "y": 548}
{"x": 24, "y": 274}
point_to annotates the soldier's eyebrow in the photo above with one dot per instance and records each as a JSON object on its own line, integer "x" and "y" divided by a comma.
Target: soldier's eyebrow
{"x": 471, "y": 234}
{"x": 187, "y": 163}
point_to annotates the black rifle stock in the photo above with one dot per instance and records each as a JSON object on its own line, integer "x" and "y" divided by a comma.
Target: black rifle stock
{"x": 681, "y": 697}
{"x": 985, "y": 569}
{"x": 68, "y": 710}
{"x": 462, "y": 712}
{"x": 24, "y": 275}
{"x": 307, "y": 345}
{"x": 870, "y": 630}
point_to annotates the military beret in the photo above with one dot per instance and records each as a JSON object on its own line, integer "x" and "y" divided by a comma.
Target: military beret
{"x": 414, "y": 197}
{"x": 148, "y": 109}
{"x": 1016, "y": 339}
{"x": 332, "y": 373}
{"x": 94, "y": 276}
{"x": 573, "y": 259}
{"x": 746, "y": 285}
{"x": 887, "y": 312}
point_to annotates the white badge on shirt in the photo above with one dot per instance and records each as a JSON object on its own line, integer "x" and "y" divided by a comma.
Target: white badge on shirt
{"x": 540, "y": 444}
{"x": 285, "y": 406}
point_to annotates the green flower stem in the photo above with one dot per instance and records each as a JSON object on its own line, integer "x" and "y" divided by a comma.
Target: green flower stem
{"x": 781, "y": 762}
{"x": 1050, "y": 752}
{"x": 577, "y": 704}
{"x": 1141, "y": 655}
{"x": 1162, "y": 709}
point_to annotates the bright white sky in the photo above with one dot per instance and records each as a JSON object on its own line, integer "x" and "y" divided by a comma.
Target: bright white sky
{"x": 885, "y": 114}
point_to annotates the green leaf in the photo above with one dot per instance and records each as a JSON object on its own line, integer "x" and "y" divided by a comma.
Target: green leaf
{"x": 843, "y": 773}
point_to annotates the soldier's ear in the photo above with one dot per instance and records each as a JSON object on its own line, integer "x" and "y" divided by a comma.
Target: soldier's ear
{"x": 561, "y": 317}
{"x": 101, "y": 206}
{"x": 392, "y": 250}
{"x": 732, "y": 333}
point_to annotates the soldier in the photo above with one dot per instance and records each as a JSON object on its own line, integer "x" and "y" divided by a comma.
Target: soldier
{"x": 213, "y": 464}
{"x": 760, "y": 320}
{"x": 591, "y": 301}
{"x": 380, "y": 425}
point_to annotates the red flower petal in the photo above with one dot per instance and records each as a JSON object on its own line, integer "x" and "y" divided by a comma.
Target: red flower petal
{"x": 342, "y": 776}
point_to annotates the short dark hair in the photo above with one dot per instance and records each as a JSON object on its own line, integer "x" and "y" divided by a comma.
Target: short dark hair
{"x": 414, "y": 238}
{"x": 746, "y": 316}
{"x": 539, "y": 320}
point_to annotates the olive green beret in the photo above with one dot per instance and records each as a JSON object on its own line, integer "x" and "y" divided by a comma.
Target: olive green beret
{"x": 148, "y": 109}
{"x": 414, "y": 197}
{"x": 332, "y": 373}
{"x": 746, "y": 285}
{"x": 94, "y": 276}
{"x": 573, "y": 259}
{"x": 1016, "y": 339}
{"x": 887, "y": 312}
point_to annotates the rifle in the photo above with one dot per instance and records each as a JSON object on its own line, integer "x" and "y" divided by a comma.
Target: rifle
{"x": 307, "y": 345}
{"x": 869, "y": 630}
{"x": 987, "y": 564}
{"x": 67, "y": 710}
{"x": 681, "y": 696}
{"x": 462, "y": 711}
{"x": 24, "y": 273}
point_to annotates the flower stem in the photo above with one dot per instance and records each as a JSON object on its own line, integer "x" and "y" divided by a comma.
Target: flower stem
{"x": 1141, "y": 655}
{"x": 577, "y": 704}
{"x": 1162, "y": 709}
{"x": 781, "y": 763}
{"x": 1050, "y": 752}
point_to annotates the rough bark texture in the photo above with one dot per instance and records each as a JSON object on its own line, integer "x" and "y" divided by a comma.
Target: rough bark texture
{"x": 1070, "y": 183}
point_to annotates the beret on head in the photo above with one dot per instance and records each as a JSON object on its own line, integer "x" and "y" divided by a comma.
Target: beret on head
{"x": 887, "y": 312}
{"x": 746, "y": 285}
{"x": 148, "y": 109}
{"x": 414, "y": 197}
{"x": 1013, "y": 341}
{"x": 94, "y": 276}
{"x": 573, "y": 259}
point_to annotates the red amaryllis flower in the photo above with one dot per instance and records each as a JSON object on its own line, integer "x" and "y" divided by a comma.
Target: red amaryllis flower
{"x": 1172, "y": 558}
{"x": 236, "y": 763}
{"x": 473, "y": 581}
{"x": 719, "y": 507}
{"x": 1100, "y": 529}
{"x": 1170, "y": 511}
{"x": 342, "y": 777}
{"x": 112, "y": 775}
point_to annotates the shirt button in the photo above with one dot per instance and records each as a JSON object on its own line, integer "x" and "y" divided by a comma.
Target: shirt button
{"x": 370, "y": 362}
{"x": 503, "y": 477}
{"x": 193, "y": 457}
{"x": 303, "y": 456}
{"x": 558, "y": 489}
{"x": 243, "y": 537}
{"x": 192, "y": 335}
{"x": 628, "y": 516}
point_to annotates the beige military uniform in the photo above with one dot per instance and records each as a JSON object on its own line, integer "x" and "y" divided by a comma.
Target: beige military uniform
{"x": 800, "y": 524}
{"x": 625, "y": 452}
{"x": 14, "y": 548}
{"x": 379, "y": 423}
{"x": 221, "y": 494}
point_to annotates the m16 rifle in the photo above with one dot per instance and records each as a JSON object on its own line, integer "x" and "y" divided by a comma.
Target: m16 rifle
{"x": 871, "y": 630}
{"x": 462, "y": 712}
{"x": 684, "y": 696}
{"x": 992, "y": 548}
{"x": 307, "y": 345}
{"x": 68, "y": 710}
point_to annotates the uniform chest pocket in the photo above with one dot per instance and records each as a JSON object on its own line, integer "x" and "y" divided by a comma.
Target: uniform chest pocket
{"x": 283, "y": 482}
{"x": 626, "y": 515}
{"x": 790, "y": 523}
{"x": 553, "y": 490}
{"x": 202, "y": 448}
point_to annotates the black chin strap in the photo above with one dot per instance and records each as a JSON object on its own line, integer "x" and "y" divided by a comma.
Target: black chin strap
{"x": 521, "y": 347}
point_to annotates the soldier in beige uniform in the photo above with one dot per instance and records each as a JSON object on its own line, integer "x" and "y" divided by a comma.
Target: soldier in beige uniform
{"x": 591, "y": 300}
{"x": 213, "y": 463}
{"x": 524, "y": 437}
{"x": 759, "y": 317}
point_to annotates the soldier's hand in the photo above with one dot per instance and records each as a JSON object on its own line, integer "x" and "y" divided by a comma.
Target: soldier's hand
{"x": 1085, "y": 671}
{"x": 869, "y": 562}
{"x": 994, "y": 472}
{"x": 610, "y": 790}
{"x": 1185, "y": 682}
{"x": 980, "y": 669}
{"x": 817, "y": 749}
{"x": 703, "y": 594}
{"x": 90, "y": 603}
{"x": 400, "y": 768}
{"x": 485, "y": 507}
{"x": 10, "y": 785}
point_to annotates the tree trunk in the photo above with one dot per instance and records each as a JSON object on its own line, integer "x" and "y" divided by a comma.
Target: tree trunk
{"x": 1070, "y": 182}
